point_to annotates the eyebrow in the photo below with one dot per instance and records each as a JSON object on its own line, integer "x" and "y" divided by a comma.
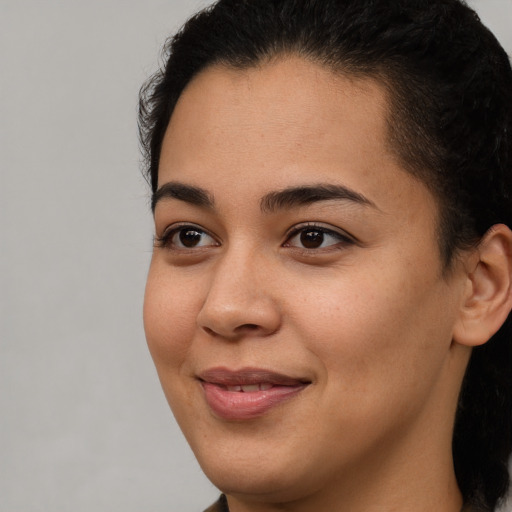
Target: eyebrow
{"x": 304, "y": 195}
{"x": 188, "y": 193}
{"x": 283, "y": 199}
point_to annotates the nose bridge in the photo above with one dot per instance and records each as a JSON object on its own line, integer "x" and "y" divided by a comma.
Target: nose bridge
{"x": 239, "y": 300}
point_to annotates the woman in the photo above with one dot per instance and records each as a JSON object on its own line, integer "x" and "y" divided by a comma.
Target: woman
{"x": 328, "y": 297}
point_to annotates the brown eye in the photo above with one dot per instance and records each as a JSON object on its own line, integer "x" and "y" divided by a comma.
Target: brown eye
{"x": 186, "y": 237}
{"x": 189, "y": 237}
{"x": 312, "y": 239}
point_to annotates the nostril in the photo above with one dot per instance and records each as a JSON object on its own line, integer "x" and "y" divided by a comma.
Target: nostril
{"x": 209, "y": 331}
{"x": 238, "y": 331}
{"x": 248, "y": 327}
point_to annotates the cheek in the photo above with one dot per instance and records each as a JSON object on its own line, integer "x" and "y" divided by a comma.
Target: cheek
{"x": 381, "y": 358}
{"x": 169, "y": 324}
{"x": 169, "y": 319}
{"x": 380, "y": 330}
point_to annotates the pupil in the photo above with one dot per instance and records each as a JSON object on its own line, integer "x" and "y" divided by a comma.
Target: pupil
{"x": 190, "y": 237}
{"x": 311, "y": 239}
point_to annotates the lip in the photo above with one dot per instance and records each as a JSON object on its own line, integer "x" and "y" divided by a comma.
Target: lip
{"x": 226, "y": 397}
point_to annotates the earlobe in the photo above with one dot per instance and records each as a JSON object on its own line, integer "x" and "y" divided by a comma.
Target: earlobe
{"x": 488, "y": 297}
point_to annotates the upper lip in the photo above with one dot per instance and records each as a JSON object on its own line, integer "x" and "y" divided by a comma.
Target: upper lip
{"x": 247, "y": 376}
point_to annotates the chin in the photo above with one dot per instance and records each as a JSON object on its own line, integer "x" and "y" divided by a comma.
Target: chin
{"x": 261, "y": 484}
{"x": 260, "y": 471}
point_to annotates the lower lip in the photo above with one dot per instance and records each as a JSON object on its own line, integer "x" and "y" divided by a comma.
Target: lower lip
{"x": 240, "y": 405}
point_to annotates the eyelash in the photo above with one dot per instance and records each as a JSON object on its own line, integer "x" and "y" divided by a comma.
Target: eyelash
{"x": 343, "y": 239}
{"x": 166, "y": 240}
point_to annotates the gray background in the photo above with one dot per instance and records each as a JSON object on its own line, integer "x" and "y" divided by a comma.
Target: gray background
{"x": 83, "y": 422}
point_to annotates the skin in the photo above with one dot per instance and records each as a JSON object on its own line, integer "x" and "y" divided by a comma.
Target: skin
{"x": 369, "y": 318}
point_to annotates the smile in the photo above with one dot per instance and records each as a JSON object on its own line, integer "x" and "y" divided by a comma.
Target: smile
{"x": 250, "y": 388}
{"x": 248, "y": 393}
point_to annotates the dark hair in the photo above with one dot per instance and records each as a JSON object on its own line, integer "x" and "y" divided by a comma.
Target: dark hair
{"x": 449, "y": 85}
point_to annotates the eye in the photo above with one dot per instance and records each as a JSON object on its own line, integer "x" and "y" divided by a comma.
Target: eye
{"x": 311, "y": 237}
{"x": 186, "y": 237}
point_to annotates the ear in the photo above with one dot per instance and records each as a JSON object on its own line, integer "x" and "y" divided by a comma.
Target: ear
{"x": 487, "y": 298}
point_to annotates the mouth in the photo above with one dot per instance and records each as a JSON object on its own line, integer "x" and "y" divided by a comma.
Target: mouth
{"x": 248, "y": 393}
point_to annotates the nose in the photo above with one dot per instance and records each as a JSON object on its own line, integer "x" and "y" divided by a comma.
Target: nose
{"x": 239, "y": 301}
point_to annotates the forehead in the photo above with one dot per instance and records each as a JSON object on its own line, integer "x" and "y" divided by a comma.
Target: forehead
{"x": 284, "y": 123}
{"x": 286, "y": 103}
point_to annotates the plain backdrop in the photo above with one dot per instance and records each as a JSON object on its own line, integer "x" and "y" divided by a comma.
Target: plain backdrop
{"x": 84, "y": 425}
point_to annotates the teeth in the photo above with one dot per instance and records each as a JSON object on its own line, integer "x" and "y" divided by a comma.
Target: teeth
{"x": 250, "y": 388}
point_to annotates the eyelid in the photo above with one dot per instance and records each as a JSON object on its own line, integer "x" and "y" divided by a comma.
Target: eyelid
{"x": 339, "y": 233}
{"x": 165, "y": 239}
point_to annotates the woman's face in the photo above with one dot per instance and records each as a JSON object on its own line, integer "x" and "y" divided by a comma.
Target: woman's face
{"x": 296, "y": 308}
